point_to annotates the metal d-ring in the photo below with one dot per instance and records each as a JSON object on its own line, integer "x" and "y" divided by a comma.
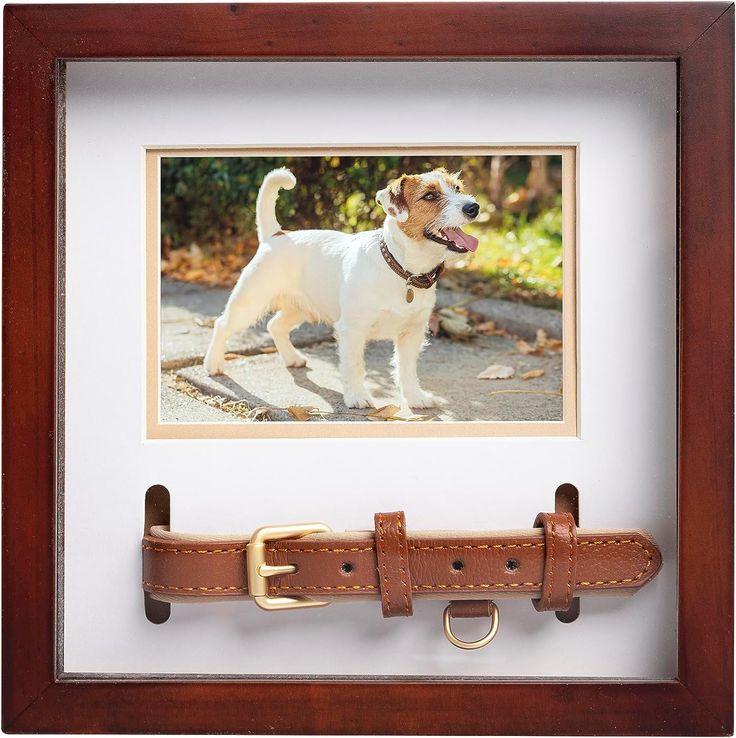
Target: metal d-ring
{"x": 470, "y": 645}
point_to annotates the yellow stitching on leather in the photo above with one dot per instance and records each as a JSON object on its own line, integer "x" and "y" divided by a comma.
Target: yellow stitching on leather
{"x": 384, "y": 589}
{"x": 194, "y": 551}
{"x": 600, "y": 542}
{"x": 322, "y": 550}
{"x": 402, "y": 567}
{"x": 551, "y": 567}
{"x": 371, "y": 548}
{"x": 476, "y": 586}
{"x": 628, "y": 580}
{"x": 569, "y": 564}
{"x": 420, "y": 586}
{"x": 196, "y": 589}
{"x": 341, "y": 586}
{"x": 478, "y": 546}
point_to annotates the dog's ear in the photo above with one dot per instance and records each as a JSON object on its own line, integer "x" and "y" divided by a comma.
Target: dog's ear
{"x": 392, "y": 199}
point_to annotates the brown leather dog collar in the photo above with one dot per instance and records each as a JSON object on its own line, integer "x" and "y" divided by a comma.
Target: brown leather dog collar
{"x": 288, "y": 567}
{"x": 421, "y": 281}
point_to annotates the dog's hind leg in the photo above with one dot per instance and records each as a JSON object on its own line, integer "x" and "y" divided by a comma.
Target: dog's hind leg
{"x": 279, "y": 327}
{"x": 230, "y": 322}
{"x": 248, "y": 301}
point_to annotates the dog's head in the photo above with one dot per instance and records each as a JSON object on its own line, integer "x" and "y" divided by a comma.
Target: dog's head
{"x": 432, "y": 206}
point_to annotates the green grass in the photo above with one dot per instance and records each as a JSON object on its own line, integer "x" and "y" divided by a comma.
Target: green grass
{"x": 521, "y": 258}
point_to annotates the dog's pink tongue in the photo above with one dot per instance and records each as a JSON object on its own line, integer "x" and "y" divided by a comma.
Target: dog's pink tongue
{"x": 461, "y": 238}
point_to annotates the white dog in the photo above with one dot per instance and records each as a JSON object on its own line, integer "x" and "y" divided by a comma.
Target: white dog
{"x": 372, "y": 285}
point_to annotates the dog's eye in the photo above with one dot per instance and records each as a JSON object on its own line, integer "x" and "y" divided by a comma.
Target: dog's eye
{"x": 430, "y": 196}
{"x": 457, "y": 188}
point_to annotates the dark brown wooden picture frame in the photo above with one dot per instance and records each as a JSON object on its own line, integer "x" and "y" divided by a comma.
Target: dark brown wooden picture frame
{"x": 698, "y": 36}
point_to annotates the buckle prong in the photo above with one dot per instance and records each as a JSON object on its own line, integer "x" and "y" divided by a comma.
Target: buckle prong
{"x": 264, "y": 570}
{"x": 259, "y": 571}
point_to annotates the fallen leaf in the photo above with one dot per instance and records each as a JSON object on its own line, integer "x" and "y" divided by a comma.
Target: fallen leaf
{"x": 455, "y": 325}
{"x": 229, "y": 356}
{"x": 544, "y": 341}
{"x": 524, "y": 348}
{"x": 259, "y": 414}
{"x": 385, "y": 412}
{"x": 205, "y": 322}
{"x": 486, "y": 329}
{"x": 532, "y": 374}
{"x": 497, "y": 371}
{"x": 300, "y": 413}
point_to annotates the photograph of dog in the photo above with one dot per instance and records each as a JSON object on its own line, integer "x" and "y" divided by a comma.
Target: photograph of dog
{"x": 341, "y": 279}
{"x": 360, "y": 288}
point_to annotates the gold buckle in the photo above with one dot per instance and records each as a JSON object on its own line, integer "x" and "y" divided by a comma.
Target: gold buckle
{"x": 259, "y": 570}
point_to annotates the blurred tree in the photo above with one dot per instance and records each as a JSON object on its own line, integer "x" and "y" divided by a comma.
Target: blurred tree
{"x": 210, "y": 201}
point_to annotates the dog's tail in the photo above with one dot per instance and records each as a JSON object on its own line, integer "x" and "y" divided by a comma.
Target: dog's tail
{"x": 266, "y": 203}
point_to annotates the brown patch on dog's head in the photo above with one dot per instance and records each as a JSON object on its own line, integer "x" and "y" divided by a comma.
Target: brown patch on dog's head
{"x": 416, "y": 201}
{"x": 393, "y": 200}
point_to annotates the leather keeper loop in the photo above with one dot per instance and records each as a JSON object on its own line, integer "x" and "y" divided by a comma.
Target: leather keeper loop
{"x": 470, "y": 609}
{"x": 392, "y": 554}
{"x": 560, "y": 561}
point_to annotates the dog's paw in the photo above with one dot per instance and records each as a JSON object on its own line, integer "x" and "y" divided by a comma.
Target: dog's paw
{"x": 421, "y": 399}
{"x": 297, "y": 360}
{"x": 214, "y": 365}
{"x": 358, "y": 400}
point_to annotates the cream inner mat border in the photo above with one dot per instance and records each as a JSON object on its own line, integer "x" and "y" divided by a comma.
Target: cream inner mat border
{"x": 155, "y": 428}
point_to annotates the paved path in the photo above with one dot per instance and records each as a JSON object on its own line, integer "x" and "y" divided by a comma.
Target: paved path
{"x": 256, "y": 377}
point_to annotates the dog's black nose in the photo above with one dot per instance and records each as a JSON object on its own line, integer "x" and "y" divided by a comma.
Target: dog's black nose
{"x": 472, "y": 209}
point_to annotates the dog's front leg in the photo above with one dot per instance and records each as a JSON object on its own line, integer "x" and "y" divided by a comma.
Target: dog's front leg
{"x": 409, "y": 344}
{"x": 351, "y": 340}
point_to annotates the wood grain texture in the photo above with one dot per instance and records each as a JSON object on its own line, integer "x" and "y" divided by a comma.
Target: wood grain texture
{"x": 370, "y": 30}
{"x": 28, "y": 339}
{"x": 700, "y": 37}
{"x": 706, "y": 368}
{"x": 382, "y": 708}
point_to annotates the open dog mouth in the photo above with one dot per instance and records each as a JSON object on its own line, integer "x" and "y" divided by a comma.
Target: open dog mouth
{"x": 454, "y": 239}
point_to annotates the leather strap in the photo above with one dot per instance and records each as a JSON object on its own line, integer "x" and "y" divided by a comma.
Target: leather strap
{"x": 392, "y": 555}
{"x": 441, "y": 564}
{"x": 470, "y": 609}
{"x": 421, "y": 281}
{"x": 560, "y": 561}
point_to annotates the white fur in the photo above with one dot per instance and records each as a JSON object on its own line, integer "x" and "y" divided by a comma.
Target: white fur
{"x": 265, "y": 203}
{"x": 336, "y": 278}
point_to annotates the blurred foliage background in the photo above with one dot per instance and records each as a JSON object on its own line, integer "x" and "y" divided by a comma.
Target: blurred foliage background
{"x": 208, "y": 212}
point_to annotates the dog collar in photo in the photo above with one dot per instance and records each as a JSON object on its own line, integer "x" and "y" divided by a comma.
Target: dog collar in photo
{"x": 421, "y": 281}
{"x": 308, "y": 565}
